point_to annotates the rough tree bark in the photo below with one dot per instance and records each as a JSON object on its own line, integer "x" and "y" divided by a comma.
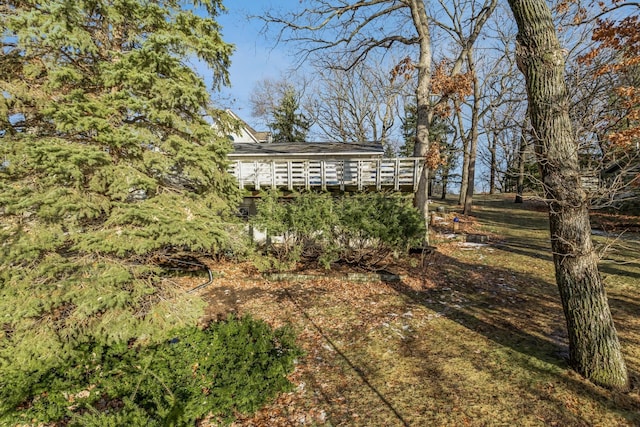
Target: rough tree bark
{"x": 594, "y": 349}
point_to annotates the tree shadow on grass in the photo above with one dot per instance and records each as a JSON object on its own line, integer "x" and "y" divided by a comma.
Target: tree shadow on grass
{"x": 523, "y": 314}
{"x": 609, "y": 268}
{"x": 627, "y": 305}
{"x": 496, "y": 303}
{"x": 518, "y": 215}
{"x": 525, "y": 221}
{"x": 526, "y": 249}
{"x": 350, "y": 362}
{"x": 512, "y": 309}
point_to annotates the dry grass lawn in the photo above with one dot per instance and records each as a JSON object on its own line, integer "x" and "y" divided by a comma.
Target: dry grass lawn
{"x": 469, "y": 336}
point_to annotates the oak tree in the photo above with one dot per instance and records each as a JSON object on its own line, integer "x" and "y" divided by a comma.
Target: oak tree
{"x": 594, "y": 348}
{"x": 359, "y": 103}
{"x": 617, "y": 59}
{"x": 353, "y": 30}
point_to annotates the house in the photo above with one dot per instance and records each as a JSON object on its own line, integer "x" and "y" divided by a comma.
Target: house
{"x": 622, "y": 182}
{"x": 246, "y": 134}
{"x": 258, "y": 163}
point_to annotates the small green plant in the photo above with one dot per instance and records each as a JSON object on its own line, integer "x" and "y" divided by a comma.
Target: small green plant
{"x": 232, "y": 366}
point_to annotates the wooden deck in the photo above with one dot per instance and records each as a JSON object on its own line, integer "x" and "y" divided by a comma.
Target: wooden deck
{"x": 399, "y": 174}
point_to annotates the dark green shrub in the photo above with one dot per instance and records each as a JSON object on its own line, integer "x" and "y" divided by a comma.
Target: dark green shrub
{"x": 363, "y": 229}
{"x": 303, "y": 224}
{"x": 373, "y": 225}
{"x": 271, "y": 214}
{"x": 232, "y": 366}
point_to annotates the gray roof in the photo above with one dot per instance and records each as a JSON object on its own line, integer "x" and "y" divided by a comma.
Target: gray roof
{"x": 306, "y": 149}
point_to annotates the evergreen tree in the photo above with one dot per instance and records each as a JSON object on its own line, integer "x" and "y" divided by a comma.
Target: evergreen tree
{"x": 107, "y": 157}
{"x": 288, "y": 124}
{"x": 408, "y": 128}
{"x": 439, "y": 130}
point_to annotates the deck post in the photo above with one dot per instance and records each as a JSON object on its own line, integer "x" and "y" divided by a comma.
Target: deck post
{"x": 396, "y": 174}
{"x": 239, "y": 175}
{"x": 359, "y": 175}
{"x": 289, "y": 175}
{"x": 416, "y": 174}
{"x": 378, "y": 174}
{"x": 341, "y": 177}
{"x": 273, "y": 174}
{"x": 323, "y": 175}
{"x": 307, "y": 181}
{"x": 256, "y": 172}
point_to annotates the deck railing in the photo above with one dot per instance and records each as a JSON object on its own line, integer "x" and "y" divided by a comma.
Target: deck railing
{"x": 402, "y": 173}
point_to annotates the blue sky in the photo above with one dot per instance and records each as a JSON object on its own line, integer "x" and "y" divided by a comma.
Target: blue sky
{"x": 256, "y": 57}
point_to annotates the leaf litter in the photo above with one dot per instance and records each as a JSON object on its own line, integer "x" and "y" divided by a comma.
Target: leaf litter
{"x": 463, "y": 338}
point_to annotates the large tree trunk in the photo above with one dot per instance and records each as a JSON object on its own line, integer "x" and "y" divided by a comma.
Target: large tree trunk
{"x": 594, "y": 349}
{"x": 423, "y": 113}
